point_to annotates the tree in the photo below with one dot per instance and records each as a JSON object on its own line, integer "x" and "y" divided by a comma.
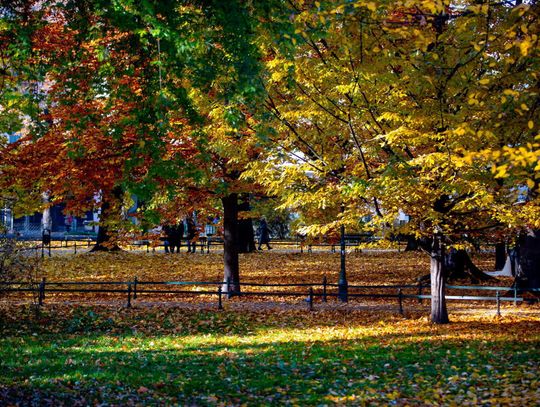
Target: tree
{"x": 155, "y": 98}
{"x": 84, "y": 148}
{"x": 399, "y": 108}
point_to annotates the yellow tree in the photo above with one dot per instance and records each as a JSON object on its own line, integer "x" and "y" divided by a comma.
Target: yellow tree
{"x": 407, "y": 106}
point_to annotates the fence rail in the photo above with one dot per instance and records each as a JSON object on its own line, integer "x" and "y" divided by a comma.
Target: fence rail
{"x": 203, "y": 245}
{"x": 132, "y": 289}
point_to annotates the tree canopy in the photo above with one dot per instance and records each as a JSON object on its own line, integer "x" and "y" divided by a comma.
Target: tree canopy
{"x": 347, "y": 111}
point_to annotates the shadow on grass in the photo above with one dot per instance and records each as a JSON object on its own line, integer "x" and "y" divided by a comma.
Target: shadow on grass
{"x": 305, "y": 359}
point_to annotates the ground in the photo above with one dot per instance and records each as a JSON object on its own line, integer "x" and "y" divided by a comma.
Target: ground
{"x": 87, "y": 349}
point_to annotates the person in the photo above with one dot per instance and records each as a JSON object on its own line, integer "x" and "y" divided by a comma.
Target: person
{"x": 164, "y": 236}
{"x": 173, "y": 236}
{"x": 191, "y": 230}
{"x": 264, "y": 234}
{"x": 68, "y": 221}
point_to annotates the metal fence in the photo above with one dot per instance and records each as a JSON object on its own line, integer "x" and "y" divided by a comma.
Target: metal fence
{"x": 202, "y": 245}
{"x": 133, "y": 290}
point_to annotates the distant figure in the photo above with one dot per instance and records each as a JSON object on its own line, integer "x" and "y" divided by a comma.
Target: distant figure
{"x": 68, "y": 221}
{"x": 173, "y": 234}
{"x": 164, "y": 233}
{"x": 264, "y": 234}
{"x": 191, "y": 230}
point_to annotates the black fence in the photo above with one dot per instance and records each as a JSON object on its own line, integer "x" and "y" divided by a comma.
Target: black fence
{"x": 202, "y": 245}
{"x": 309, "y": 292}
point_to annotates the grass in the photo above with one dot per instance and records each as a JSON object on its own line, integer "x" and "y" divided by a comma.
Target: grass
{"x": 150, "y": 355}
{"x": 182, "y": 355}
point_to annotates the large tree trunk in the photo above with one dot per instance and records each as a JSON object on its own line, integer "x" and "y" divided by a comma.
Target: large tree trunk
{"x": 104, "y": 236}
{"x": 458, "y": 265}
{"x": 412, "y": 244}
{"x": 500, "y": 255}
{"x": 230, "y": 248}
{"x": 246, "y": 237}
{"x": 529, "y": 260}
{"x": 46, "y": 220}
{"x": 439, "y": 313}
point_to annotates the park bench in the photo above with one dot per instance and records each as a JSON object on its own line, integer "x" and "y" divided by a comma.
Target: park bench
{"x": 351, "y": 239}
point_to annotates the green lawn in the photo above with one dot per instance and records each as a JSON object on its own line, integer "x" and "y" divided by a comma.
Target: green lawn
{"x": 179, "y": 356}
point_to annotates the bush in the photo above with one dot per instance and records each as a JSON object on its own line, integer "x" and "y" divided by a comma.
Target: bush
{"x": 19, "y": 263}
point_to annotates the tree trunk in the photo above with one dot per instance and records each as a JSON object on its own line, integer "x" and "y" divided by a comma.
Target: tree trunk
{"x": 439, "y": 313}
{"x": 500, "y": 255}
{"x": 529, "y": 260}
{"x": 104, "y": 236}
{"x": 412, "y": 244}
{"x": 458, "y": 265}
{"x": 230, "y": 248}
{"x": 46, "y": 221}
{"x": 246, "y": 237}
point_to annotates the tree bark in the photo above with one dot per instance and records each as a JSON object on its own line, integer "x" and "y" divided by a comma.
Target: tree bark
{"x": 439, "y": 313}
{"x": 412, "y": 244}
{"x": 529, "y": 260}
{"x": 46, "y": 221}
{"x": 246, "y": 237}
{"x": 104, "y": 236}
{"x": 458, "y": 265}
{"x": 230, "y": 248}
{"x": 500, "y": 255}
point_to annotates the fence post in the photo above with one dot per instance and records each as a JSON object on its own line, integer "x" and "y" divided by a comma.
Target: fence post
{"x": 75, "y": 246}
{"x": 343, "y": 285}
{"x": 41, "y": 294}
{"x": 498, "y": 295}
{"x": 515, "y": 293}
{"x": 324, "y": 283}
{"x": 147, "y": 248}
{"x": 220, "y": 304}
{"x": 420, "y": 292}
{"x": 129, "y": 295}
{"x": 310, "y": 298}
{"x": 400, "y": 300}
{"x": 135, "y": 288}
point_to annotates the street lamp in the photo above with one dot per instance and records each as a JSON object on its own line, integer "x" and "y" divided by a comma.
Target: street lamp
{"x": 342, "y": 283}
